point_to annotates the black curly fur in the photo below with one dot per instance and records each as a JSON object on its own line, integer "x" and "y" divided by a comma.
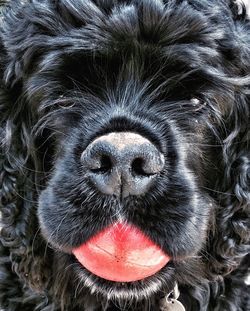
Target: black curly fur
{"x": 73, "y": 69}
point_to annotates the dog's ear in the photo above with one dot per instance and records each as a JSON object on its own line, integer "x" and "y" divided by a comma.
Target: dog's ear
{"x": 230, "y": 240}
{"x": 19, "y": 240}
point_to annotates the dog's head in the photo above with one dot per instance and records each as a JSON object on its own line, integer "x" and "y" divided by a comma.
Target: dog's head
{"x": 129, "y": 111}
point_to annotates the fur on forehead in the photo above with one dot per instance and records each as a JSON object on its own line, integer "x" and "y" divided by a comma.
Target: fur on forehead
{"x": 107, "y": 28}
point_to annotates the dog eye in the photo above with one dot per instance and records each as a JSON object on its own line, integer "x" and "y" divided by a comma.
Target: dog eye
{"x": 197, "y": 103}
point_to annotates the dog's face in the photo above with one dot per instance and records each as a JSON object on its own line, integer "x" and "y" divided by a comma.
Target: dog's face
{"x": 130, "y": 126}
{"x": 93, "y": 184}
{"x": 128, "y": 99}
{"x": 89, "y": 190}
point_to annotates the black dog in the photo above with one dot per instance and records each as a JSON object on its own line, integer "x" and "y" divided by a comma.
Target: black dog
{"x": 131, "y": 112}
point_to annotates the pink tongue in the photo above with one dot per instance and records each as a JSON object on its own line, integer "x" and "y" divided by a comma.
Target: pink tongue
{"x": 121, "y": 253}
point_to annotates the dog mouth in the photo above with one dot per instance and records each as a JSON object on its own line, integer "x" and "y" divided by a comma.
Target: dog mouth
{"x": 121, "y": 253}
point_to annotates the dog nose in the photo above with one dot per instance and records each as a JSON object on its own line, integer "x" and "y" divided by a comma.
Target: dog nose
{"x": 122, "y": 163}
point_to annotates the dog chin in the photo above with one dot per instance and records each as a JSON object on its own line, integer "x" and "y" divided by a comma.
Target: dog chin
{"x": 124, "y": 291}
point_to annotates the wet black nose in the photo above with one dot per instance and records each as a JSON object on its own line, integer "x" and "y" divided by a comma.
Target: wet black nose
{"x": 122, "y": 164}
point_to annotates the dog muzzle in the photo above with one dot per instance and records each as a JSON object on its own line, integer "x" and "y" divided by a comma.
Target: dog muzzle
{"x": 121, "y": 253}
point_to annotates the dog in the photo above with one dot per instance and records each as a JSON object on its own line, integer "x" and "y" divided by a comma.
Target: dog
{"x": 125, "y": 155}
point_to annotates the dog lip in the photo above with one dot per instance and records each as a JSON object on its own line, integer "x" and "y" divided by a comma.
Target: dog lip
{"x": 121, "y": 253}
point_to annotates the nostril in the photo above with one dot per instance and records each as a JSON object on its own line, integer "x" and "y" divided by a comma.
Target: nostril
{"x": 137, "y": 167}
{"x": 105, "y": 165}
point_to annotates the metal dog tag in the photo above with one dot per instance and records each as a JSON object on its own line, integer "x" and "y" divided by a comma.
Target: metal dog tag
{"x": 174, "y": 305}
{"x": 170, "y": 303}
